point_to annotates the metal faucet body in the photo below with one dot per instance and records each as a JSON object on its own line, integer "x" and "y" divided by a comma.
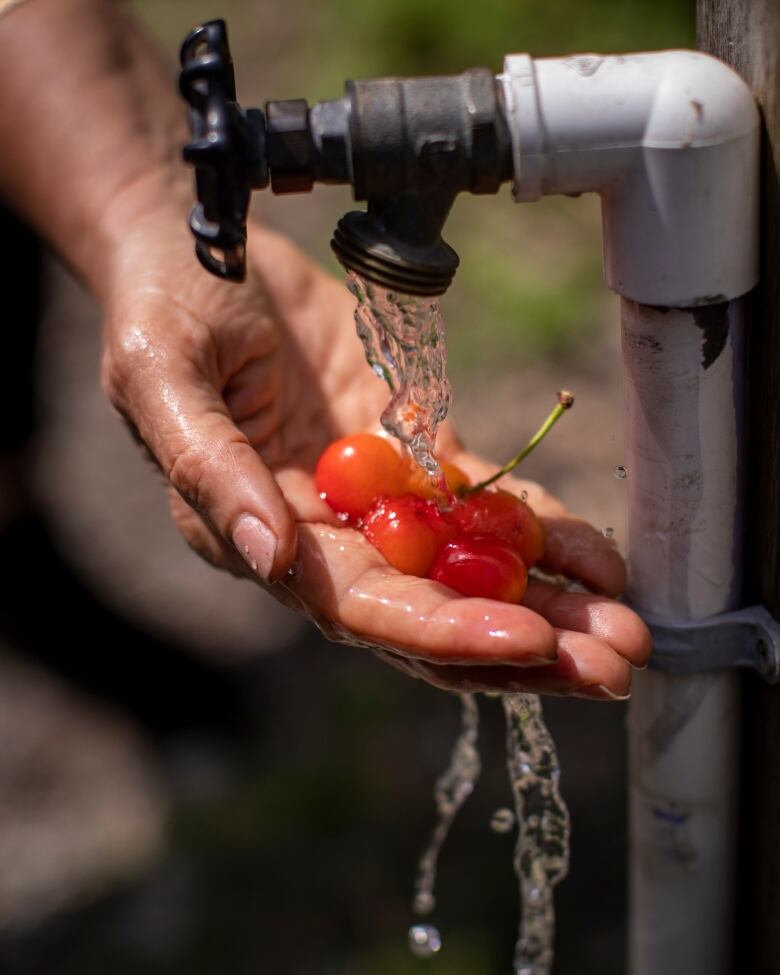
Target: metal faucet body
{"x": 407, "y": 146}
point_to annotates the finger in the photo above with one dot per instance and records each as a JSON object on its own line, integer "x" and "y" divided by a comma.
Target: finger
{"x": 253, "y": 389}
{"x": 586, "y": 668}
{"x": 575, "y": 549}
{"x": 608, "y": 621}
{"x": 204, "y": 541}
{"x": 346, "y": 583}
{"x": 185, "y": 423}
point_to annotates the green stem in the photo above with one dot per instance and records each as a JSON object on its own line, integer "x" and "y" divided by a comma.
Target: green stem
{"x": 565, "y": 402}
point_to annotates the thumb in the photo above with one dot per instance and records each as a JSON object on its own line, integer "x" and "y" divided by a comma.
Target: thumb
{"x": 185, "y": 423}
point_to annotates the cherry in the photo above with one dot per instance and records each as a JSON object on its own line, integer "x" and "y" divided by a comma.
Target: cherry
{"x": 481, "y": 565}
{"x": 408, "y": 531}
{"x": 355, "y": 470}
{"x": 505, "y": 515}
{"x": 479, "y": 543}
{"x": 421, "y": 485}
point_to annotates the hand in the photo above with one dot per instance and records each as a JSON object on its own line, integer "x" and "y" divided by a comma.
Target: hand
{"x": 237, "y": 389}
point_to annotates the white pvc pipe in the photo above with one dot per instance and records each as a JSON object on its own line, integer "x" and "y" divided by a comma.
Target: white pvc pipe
{"x": 670, "y": 142}
{"x": 683, "y": 802}
{"x": 684, "y": 393}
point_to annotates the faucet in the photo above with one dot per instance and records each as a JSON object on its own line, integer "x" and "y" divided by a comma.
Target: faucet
{"x": 408, "y": 147}
{"x": 670, "y": 142}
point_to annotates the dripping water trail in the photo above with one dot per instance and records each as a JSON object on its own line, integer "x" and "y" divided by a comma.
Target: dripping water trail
{"x": 452, "y": 789}
{"x": 542, "y": 851}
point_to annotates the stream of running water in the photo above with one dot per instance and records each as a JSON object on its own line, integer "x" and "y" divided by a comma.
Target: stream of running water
{"x": 403, "y": 338}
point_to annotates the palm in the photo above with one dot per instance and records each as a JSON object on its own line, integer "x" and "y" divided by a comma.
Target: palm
{"x": 278, "y": 359}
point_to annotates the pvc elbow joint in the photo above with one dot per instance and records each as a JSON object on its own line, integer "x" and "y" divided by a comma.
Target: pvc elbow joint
{"x": 670, "y": 141}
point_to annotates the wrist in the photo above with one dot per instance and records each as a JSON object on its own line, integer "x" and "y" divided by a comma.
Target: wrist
{"x": 105, "y": 145}
{"x": 143, "y": 224}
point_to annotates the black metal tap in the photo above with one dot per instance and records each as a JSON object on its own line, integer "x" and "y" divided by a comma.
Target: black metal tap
{"x": 407, "y": 146}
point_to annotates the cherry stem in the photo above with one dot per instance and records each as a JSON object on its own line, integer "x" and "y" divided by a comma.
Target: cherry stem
{"x": 565, "y": 402}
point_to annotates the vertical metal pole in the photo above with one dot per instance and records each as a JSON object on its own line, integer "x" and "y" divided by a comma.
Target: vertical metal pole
{"x": 684, "y": 373}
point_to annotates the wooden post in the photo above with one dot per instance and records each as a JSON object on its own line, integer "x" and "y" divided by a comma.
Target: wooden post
{"x": 746, "y": 34}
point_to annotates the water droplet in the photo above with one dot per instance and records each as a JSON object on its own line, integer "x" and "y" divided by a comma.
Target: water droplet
{"x": 424, "y": 940}
{"x": 502, "y": 821}
{"x": 620, "y": 472}
{"x": 343, "y": 516}
{"x": 523, "y": 495}
{"x": 323, "y": 496}
{"x": 608, "y": 532}
{"x": 424, "y": 902}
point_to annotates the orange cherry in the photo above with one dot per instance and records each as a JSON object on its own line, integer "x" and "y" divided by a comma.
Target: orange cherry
{"x": 355, "y": 470}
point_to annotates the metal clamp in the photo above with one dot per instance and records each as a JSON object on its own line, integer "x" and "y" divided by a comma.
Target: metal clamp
{"x": 743, "y": 638}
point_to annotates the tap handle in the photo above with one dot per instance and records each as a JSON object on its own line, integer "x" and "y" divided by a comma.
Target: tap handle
{"x": 228, "y": 150}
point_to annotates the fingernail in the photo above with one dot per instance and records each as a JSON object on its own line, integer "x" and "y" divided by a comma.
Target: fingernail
{"x": 600, "y": 692}
{"x": 257, "y": 545}
{"x": 534, "y": 660}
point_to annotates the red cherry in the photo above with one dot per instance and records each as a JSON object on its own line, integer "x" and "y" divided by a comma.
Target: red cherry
{"x": 355, "y": 470}
{"x": 408, "y": 531}
{"x": 481, "y": 565}
{"x": 421, "y": 485}
{"x": 505, "y": 515}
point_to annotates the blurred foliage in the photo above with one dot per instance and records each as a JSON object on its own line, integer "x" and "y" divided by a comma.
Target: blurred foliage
{"x": 418, "y": 36}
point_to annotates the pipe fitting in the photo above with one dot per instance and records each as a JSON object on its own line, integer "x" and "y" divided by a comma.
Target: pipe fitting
{"x": 670, "y": 141}
{"x": 414, "y": 144}
{"x": 397, "y": 243}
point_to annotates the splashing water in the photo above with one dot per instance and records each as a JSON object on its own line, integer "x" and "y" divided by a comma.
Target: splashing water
{"x": 452, "y": 789}
{"x": 403, "y": 338}
{"x": 424, "y": 940}
{"x": 502, "y": 821}
{"x": 542, "y": 850}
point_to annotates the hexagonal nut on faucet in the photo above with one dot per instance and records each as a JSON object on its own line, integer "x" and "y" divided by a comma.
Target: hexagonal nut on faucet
{"x": 291, "y": 156}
